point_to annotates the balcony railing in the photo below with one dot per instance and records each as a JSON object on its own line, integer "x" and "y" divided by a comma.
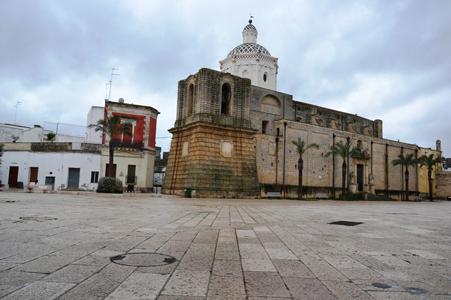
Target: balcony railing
{"x": 129, "y": 144}
{"x": 131, "y": 179}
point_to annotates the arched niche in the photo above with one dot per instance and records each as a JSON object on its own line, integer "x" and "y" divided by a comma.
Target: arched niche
{"x": 271, "y": 105}
{"x": 190, "y": 99}
{"x": 246, "y": 74}
{"x": 226, "y": 96}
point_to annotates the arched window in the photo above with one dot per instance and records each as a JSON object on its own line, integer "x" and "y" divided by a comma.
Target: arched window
{"x": 265, "y": 77}
{"x": 225, "y": 99}
{"x": 190, "y": 99}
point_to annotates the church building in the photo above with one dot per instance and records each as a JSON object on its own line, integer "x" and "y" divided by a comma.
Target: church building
{"x": 233, "y": 137}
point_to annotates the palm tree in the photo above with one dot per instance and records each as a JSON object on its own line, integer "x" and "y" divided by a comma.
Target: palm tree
{"x": 345, "y": 151}
{"x": 301, "y": 148}
{"x": 405, "y": 161}
{"x": 430, "y": 162}
{"x": 112, "y": 126}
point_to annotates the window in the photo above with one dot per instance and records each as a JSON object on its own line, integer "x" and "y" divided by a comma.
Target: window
{"x": 190, "y": 99}
{"x": 265, "y": 127}
{"x": 265, "y": 77}
{"x": 94, "y": 177}
{"x": 225, "y": 99}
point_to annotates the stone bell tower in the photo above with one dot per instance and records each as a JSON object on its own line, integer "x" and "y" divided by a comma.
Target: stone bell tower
{"x": 212, "y": 149}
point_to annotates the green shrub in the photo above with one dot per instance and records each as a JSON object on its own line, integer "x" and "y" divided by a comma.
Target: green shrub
{"x": 109, "y": 185}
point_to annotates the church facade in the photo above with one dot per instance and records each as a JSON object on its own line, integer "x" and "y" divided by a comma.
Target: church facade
{"x": 233, "y": 137}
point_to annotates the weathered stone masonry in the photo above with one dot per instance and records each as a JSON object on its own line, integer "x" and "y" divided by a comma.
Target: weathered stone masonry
{"x": 212, "y": 149}
{"x": 235, "y": 148}
{"x": 233, "y": 137}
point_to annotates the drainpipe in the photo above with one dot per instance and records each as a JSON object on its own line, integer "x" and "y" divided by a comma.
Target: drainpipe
{"x": 277, "y": 159}
{"x": 333, "y": 166}
{"x": 372, "y": 158}
{"x": 386, "y": 169}
{"x": 372, "y": 174}
{"x": 348, "y": 179}
{"x": 416, "y": 173}
{"x": 284, "y": 151}
{"x": 402, "y": 174}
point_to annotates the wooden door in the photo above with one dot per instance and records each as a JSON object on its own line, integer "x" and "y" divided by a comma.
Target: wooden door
{"x": 34, "y": 174}
{"x": 107, "y": 168}
{"x": 13, "y": 174}
{"x": 131, "y": 171}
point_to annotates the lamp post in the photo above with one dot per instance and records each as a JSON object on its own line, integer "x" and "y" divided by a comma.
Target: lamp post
{"x": 284, "y": 146}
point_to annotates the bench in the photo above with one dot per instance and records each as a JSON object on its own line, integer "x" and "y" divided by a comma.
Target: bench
{"x": 274, "y": 195}
{"x": 321, "y": 196}
{"x": 418, "y": 198}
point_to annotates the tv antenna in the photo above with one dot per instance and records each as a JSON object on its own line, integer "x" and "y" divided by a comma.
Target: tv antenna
{"x": 106, "y": 91}
{"x": 111, "y": 81}
{"x": 15, "y": 115}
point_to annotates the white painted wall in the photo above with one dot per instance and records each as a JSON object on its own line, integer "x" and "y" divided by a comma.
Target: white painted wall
{"x": 61, "y": 138}
{"x": 34, "y": 135}
{"x": 8, "y": 130}
{"x": 54, "y": 164}
{"x": 94, "y": 114}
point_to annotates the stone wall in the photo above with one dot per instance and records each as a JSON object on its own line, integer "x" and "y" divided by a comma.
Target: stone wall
{"x": 443, "y": 184}
{"x": 321, "y": 173}
{"x": 214, "y": 161}
{"x": 325, "y": 117}
{"x": 199, "y": 100}
{"x": 255, "y": 125}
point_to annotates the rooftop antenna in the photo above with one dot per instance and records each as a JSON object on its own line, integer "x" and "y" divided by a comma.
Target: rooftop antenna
{"x": 15, "y": 115}
{"x": 111, "y": 81}
{"x": 106, "y": 90}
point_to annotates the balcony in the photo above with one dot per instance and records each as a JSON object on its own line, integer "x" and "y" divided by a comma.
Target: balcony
{"x": 131, "y": 179}
{"x": 129, "y": 144}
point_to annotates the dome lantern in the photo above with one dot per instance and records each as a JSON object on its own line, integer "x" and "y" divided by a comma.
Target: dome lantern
{"x": 250, "y": 34}
{"x": 251, "y": 60}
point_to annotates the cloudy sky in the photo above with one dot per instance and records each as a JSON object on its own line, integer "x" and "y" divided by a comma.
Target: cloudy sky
{"x": 383, "y": 59}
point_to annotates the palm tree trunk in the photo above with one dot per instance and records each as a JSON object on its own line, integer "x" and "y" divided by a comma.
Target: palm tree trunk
{"x": 430, "y": 184}
{"x": 407, "y": 184}
{"x": 343, "y": 179}
{"x": 111, "y": 160}
{"x": 301, "y": 168}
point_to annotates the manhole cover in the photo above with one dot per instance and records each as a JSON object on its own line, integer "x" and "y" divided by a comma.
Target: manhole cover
{"x": 415, "y": 291}
{"x": 346, "y": 223}
{"x": 381, "y": 285}
{"x": 143, "y": 259}
{"x": 38, "y": 219}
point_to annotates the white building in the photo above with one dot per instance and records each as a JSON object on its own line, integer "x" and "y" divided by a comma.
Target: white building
{"x": 59, "y": 165}
{"x": 79, "y": 162}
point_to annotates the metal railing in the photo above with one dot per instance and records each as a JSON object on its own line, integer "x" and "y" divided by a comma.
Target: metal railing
{"x": 129, "y": 144}
{"x": 130, "y": 179}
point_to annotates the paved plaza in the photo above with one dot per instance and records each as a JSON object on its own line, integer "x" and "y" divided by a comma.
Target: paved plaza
{"x": 97, "y": 246}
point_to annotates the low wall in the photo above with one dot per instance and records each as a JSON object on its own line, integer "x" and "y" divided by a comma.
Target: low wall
{"x": 443, "y": 181}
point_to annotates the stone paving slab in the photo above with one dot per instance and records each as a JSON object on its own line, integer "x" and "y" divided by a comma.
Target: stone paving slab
{"x": 66, "y": 246}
